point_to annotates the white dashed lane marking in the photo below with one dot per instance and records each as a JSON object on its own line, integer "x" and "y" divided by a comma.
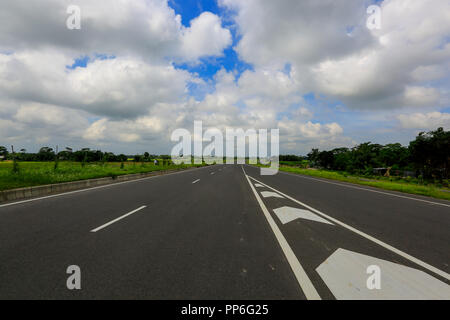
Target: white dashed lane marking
{"x": 118, "y": 219}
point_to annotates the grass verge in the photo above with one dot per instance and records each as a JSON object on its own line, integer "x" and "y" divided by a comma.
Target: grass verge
{"x": 429, "y": 190}
{"x": 42, "y": 173}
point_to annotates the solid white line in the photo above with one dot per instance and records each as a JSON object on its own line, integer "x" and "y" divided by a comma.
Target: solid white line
{"x": 368, "y": 237}
{"x": 94, "y": 188}
{"x": 302, "y": 278}
{"x": 196, "y": 181}
{"x": 118, "y": 219}
{"x": 365, "y": 189}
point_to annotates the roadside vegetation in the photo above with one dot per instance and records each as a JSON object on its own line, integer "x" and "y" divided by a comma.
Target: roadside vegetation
{"x": 407, "y": 185}
{"x": 29, "y": 174}
{"x": 421, "y": 168}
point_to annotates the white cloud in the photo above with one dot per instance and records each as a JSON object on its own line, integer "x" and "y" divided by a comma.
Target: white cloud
{"x": 205, "y": 37}
{"x": 425, "y": 121}
{"x": 387, "y": 68}
{"x": 149, "y": 29}
{"x": 117, "y": 88}
{"x": 421, "y": 96}
{"x": 278, "y": 32}
{"x": 96, "y": 131}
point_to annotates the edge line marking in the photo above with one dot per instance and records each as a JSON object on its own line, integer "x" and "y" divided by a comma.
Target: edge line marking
{"x": 302, "y": 278}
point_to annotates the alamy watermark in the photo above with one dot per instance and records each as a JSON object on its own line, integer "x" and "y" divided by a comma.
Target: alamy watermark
{"x": 74, "y": 280}
{"x": 374, "y": 19}
{"x": 263, "y": 148}
{"x": 73, "y": 21}
{"x": 374, "y": 280}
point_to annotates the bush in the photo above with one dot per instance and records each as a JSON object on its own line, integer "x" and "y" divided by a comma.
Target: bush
{"x": 15, "y": 168}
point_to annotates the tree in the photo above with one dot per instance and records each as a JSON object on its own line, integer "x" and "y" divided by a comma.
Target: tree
{"x": 326, "y": 159}
{"x": 430, "y": 153}
{"x": 3, "y": 152}
{"x": 365, "y": 157}
{"x": 341, "y": 159}
{"x": 394, "y": 155}
{"x": 46, "y": 154}
{"x": 290, "y": 158}
{"x": 313, "y": 156}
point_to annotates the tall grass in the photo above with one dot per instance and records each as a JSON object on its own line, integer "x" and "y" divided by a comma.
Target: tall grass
{"x": 41, "y": 173}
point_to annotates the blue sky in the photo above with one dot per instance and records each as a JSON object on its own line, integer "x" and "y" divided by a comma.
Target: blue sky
{"x": 208, "y": 67}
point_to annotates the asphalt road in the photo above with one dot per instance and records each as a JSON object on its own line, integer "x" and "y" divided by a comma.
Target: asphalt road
{"x": 225, "y": 232}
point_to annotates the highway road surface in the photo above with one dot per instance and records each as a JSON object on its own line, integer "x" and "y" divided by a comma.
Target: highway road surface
{"x": 226, "y": 232}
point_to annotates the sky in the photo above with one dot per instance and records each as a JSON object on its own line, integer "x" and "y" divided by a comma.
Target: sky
{"x": 137, "y": 70}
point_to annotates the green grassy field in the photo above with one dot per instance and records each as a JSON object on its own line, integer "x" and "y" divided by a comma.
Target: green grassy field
{"x": 393, "y": 183}
{"x": 42, "y": 173}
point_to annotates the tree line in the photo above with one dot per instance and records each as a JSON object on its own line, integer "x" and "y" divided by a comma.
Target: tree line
{"x": 83, "y": 155}
{"x": 428, "y": 157}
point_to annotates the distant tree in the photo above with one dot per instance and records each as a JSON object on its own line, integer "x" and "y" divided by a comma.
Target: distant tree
{"x": 291, "y": 158}
{"x": 313, "y": 156}
{"x": 394, "y": 155}
{"x": 46, "y": 154}
{"x": 430, "y": 153}
{"x": 364, "y": 157}
{"x": 326, "y": 159}
{"x": 3, "y": 152}
{"x": 341, "y": 158}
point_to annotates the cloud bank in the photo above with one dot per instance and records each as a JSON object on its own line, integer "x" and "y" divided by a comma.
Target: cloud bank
{"x": 115, "y": 83}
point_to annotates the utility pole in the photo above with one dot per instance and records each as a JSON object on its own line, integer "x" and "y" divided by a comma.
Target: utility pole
{"x": 15, "y": 165}
{"x": 56, "y": 159}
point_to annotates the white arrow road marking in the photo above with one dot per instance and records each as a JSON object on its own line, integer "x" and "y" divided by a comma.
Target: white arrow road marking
{"x": 118, "y": 219}
{"x": 195, "y": 181}
{"x": 268, "y": 194}
{"x": 345, "y": 274}
{"x": 259, "y": 185}
{"x": 288, "y": 214}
